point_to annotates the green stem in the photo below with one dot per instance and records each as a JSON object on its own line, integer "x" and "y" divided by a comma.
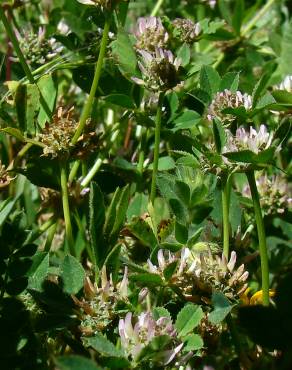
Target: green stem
{"x": 225, "y": 215}
{"x": 261, "y": 236}
{"x": 42, "y": 229}
{"x": 92, "y": 172}
{"x": 156, "y": 8}
{"x": 73, "y": 171}
{"x": 257, "y": 17}
{"x": 66, "y": 209}
{"x": 156, "y": 147}
{"x": 21, "y": 58}
{"x": 88, "y": 106}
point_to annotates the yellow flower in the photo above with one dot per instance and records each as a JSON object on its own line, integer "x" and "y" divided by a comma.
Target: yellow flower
{"x": 256, "y": 298}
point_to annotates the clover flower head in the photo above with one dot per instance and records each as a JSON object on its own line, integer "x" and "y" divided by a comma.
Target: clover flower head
{"x": 255, "y": 141}
{"x": 99, "y": 305}
{"x": 159, "y": 70}
{"x": 274, "y": 191}
{"x": 56, "y": 136}
{"x": 227, "y": 99}
{"x": 186, "y": 30}
{"x": 37, "y": 49}
{"x": 286, "y": 84}
{"x": 151, "y": 34}
{"x": 135, "y": 337}
{"x": 164, "y": 258}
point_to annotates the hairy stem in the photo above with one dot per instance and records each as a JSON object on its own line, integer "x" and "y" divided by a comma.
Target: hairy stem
{"x": 157, "y": 8}
{"x": 88, "y": 106}
{"x": 261, "y": 236}
{"x": 66, "y": 208}
{"x": 156, "y": 147}
{"x": 225, "y": 214}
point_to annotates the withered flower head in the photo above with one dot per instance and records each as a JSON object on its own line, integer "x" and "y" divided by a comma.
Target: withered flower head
{"x": 151, "y": 34}
{"x": 159, "y": 70}
{"x": 57, "y": 135}
{"x": 186, "y": 30}
{"x": 227, "y": 99}
{"x": 5, "y": 178}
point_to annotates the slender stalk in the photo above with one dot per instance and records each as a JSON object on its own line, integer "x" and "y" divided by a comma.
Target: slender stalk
{"x": 66, "y": 208}
{"x": 156, "y": 8}
{"x": 156, "y": 147}
{"x": 88, "y": 106}
{"x": 225, "y": 215}
{"x": 73, "y": 171}
{"x": 21, "y": 58}
{"x": 91, "y": 173}
{"x": 261, "y": 236}
{"x": 257, "y": 17}
{"x": 42, "y": 229}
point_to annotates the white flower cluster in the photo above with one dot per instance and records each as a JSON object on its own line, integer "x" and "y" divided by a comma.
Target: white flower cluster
{"x": 227, "y": 99}
{"x": 135, "y": 338}
{"x": 151, "y": 34}
{"x": 253, "y": 140}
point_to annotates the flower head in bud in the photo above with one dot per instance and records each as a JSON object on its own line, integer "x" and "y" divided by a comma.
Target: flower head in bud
{"x": 159, "y": 70}
{"x": 186, "y": 30}
{"x": 286, "y": 84}
{"x": 151, "y": 34}
{"x": 252, "y": 140}
{"x": 275, "y": 193}
{"x": 56, "y": 137}
{"x": 37, "y": 49}
{"x": 135, "y": 337}
{"x": 5, "y": 178}
{"x": 227, "y": 99}
{"x": 100, "y": 304}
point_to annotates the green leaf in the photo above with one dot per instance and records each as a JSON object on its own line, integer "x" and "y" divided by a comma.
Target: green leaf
{"x": 179, "y": 210}
{"x": 120, "y": 213}
{"x": 39, "y": 270}
{"x": 182, "y": 190}
{"x": 209, "y": 80}
{"x": 265, "y": 101}
{"x": 188, "y": 319}
{"x": 121, "y": 100}
{"x": 238, "y": 15}
{"x": 285, "y": 67}
{"x": 147, "y": 278}
{"x": 27, "y": 106}
{"x": 222, "y": 307}
{"x": 96, "y": 222}
{"x": 193, "y": 343}
{"x": 103, "y": 346}
{"x": 170, "y": 270}
{"x": 164, "y": 164}
{"x": 160, "y": 312}
{"x": 188, "y": 119}
{"x": 184, "y": 54}
{"x": 260, "y": 86}
{"x": 125, "y": 55}
{"x": 181, "y": 233}
{"x": 14, "y": 132}
{"x": 73, "y": 362}
{"x": 48, "y": 88}
{"x": 141, "y": 230}
{"x": 5, "y": 208}
{"x": 219, "y": 135}
{"x": 230, "y": 82}
{"x": 72, "y": 274}
{"x": 138, "y": 205}
{"x": 247, "y": 156}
